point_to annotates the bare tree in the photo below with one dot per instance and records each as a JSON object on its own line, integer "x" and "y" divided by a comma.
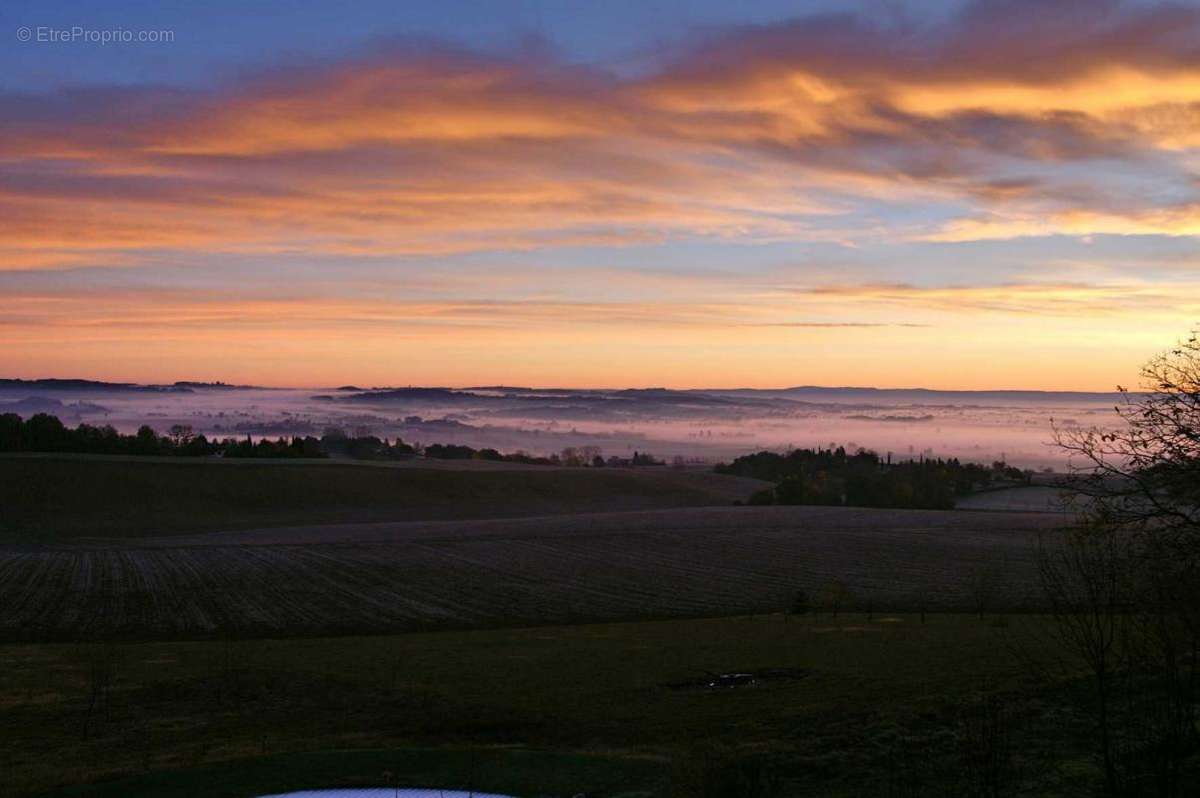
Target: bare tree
{"x": 1124, "y": 586}
{"x": 1086, "y": 579}
{"x": 181, "y": 435}
{"x": 1145, "y": 471}
{"x": 589, "y": 454}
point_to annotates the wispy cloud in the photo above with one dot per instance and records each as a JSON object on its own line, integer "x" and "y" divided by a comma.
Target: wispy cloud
{"x": 753, "y": 133}
{"x": 835, "y": 325}
{"x": 1168, "y": 220}
{"x": 1042, "y": 299}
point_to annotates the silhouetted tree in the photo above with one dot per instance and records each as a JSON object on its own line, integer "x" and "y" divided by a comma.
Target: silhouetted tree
{"x": 1125, "y": 585}
{"x": 180, "y": 435}
{"x": 146, "y": 441}
{"x": 11, "y": 430}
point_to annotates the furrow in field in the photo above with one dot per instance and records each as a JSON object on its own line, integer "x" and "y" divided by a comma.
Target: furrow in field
{"x": 609, "y": 565}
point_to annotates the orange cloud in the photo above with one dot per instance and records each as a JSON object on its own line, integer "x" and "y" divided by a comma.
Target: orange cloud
{"x": 1040, "y": 299}
{"x": 1166, "y": 221}
{"x": 748, "y": 135}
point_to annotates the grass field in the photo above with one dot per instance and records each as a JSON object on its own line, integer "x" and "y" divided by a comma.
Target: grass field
{"x": 516, "y": 771}
{"x": 51, "y": 499}
{"x": 553, "y": 569}
{"x": 1030, "y": 498}
{"x": 166, "y": 629}
{"x": 611, "y": 709}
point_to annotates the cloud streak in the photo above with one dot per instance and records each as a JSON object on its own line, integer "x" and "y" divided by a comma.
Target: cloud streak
{"x": 777, "y": 132}
{"x": 1039, "y": 299}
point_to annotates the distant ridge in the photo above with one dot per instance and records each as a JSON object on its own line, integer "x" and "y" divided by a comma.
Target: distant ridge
{"x": 180, "y": 386}
{"x": 434, "y": 393}
{"x": 219, "y": 386}
{"x": 52, "y": 384}
{"x": 922, "y": 394}
{"x": 418, "y": 394}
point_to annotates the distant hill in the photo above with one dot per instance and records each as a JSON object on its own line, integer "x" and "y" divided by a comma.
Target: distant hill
{"x": 46, "y": 404}
{"x": 218, "y": 386}
{"x": 417, "y": 394}
{"x": 920, "y": 395}
{"x": 53, "y": 384}
{"x": 180, "y": 386}
{"x": 800, "y": 394}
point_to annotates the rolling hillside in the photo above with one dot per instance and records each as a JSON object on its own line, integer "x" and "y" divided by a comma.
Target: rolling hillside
{"x": 49, "y": 499}
{"x": 401, "y": 576}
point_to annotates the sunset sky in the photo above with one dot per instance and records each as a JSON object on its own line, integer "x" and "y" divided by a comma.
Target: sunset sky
{"x": 948, "y": 195}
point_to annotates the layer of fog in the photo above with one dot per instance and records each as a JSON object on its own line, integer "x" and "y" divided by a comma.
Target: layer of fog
{"x": 698, "y": 426}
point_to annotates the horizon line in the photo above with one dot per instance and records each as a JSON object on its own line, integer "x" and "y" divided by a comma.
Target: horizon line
{"x": 512, "y": 387}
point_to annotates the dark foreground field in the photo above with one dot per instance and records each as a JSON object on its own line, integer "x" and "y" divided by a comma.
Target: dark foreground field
{"x": 616, "y": 709}
{"x": 555, "y": 569}
{"x": 144, "y": 653}
{"x": 49, "y": 499}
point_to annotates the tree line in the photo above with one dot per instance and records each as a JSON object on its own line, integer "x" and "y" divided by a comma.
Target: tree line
{"x": 864, "y": 479}
{"x": 44, "y": 432}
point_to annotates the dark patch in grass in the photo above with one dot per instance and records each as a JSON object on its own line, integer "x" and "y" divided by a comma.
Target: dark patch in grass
{"x": 739, "y": 679}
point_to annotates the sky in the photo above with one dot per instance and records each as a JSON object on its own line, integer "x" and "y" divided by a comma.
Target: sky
{"x": 989, "y": 195}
